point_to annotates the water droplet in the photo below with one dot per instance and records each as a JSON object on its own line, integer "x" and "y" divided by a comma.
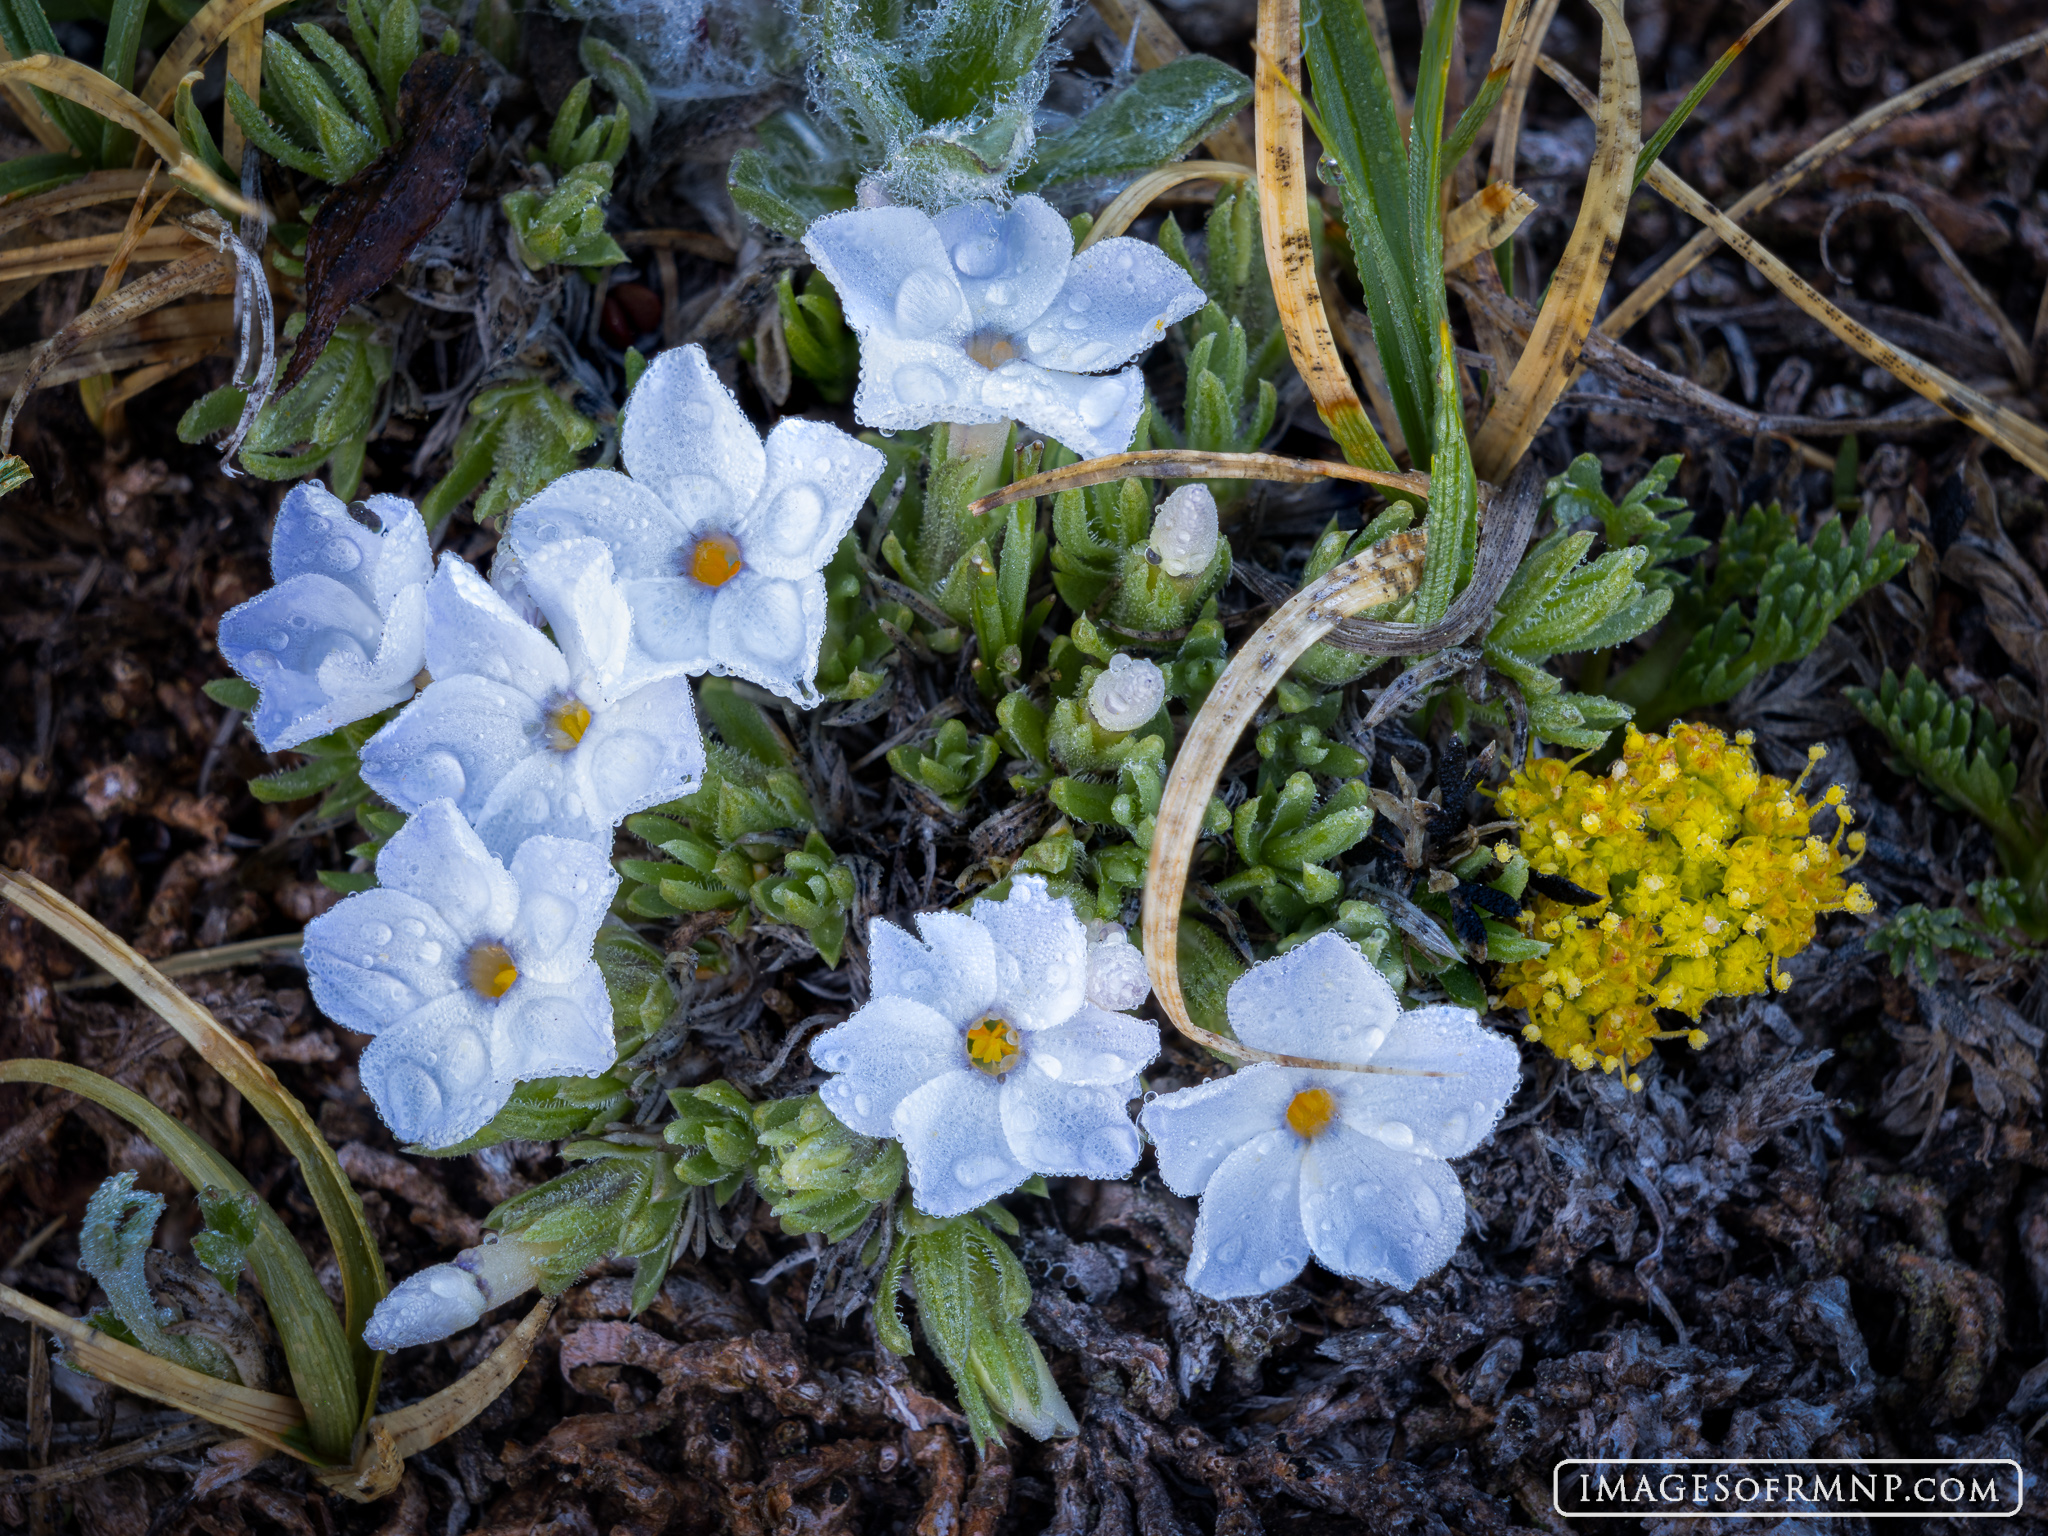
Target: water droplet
{"x": 378, "y": 934}
{"x": 1427, "y": 1206}
{"x": 300, "y": 621}
{"x": 1330, "y": 171}
{"x": 341, "y": 555}
{"x": 919, "y": 384}
{"x": 1275, "y": 1273}
{"x": 1230, "y": 1251}
{"x": 974, "y": 1171}
{"x": 926, "y": 304}
{"x": 1098, "y": 406}
{"x": 1372, "y": 1039}
{"x": 430, "y": 952}
{"x": 1079, "y": 302}
{"x": 1396, "y": 1135}
{"x": 794, "y": 520}
{"x": 414, "y": 927}
{"x": 831, "y": 1061}
{"x": 1124, "y": 261}
{"x": 1051, "y": 1065}
{"x": 861, "y": 1104}
{"x": 978, "y": 255}
{"x": 997, "y": 293}
{"x": 1454, "y": 1128}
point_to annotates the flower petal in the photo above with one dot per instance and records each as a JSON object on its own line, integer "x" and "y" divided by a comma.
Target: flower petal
{"x": 952, "y": 1135}
{"x": 644, "y": 533}
{"x": 1058, "y": 1129}
{"x": 319, "y": 654}
{"x": 893, "y": 275}
{"x": 1119, "y": 298}
{"x": 688, "y": 442}
{"x": 1320, "y": 999}
{"x": 572, "y": 583}
{"x": 470, "y": 629}
{"x": 1094, "y": 1047}
{"x": 639, "y": 752}
{"x": 1377, "y": 1214}
{"x": 456, "y": 741}
{"x": 1093, "y": 416}
{"x": 768, "y": 630}
{"x": 553, "y": 1029}
{"x": 907, "y": 384}
{"x": 1248, "y": 1239}
{"x": 404, "y": 557}
{"x": 565, "y": 890}
{"x": 378, "y": 956}
{"x": 888, "y": 1050}
{"x": 1041, "y": 954}
{"x": 953, "y": 972}
{"x": 315, "y": 536}
{"x": 818, "y": 479}
{"x": 671, "y": 626}
{"x": 1442, "y": 1116}
{"x": 1195, "y": 1129}
{"x": 541, "y": 796}
{"x": 430, "y": 1075}
{"x": 437, "y": 857}
{"x": 1009, "y": 264}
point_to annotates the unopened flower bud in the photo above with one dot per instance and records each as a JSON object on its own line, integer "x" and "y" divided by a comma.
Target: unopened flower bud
{"x": 447, "y": 1298}
{"x": 1184, "y": 531}
{"x": 1127, "y": 695}
{"x": 1117, "y": 979}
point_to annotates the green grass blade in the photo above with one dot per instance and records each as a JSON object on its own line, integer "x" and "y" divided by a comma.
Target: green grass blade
{"x": 1650, "y": 152}
{"x": 315, "y": 1348}
{"x": 117, "y": 63}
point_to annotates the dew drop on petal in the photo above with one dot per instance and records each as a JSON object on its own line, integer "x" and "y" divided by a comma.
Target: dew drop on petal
{"x": 1371, "y": 1038}
{"x": 1231, "y": 1250}
{"x": 1396, "y": 1135}
{"x": 997, "y": 293}
{"x": 1050, "y": 1065}
{"x": 378, "y": 934}
{"x": 433, "y": 776}
{"x": 429, "y": 952}
{"x": 1098, "y": 407}
{"x": 861, "y": 1104}
{"x": 831, "y": 1061}
{"x": 925, "y": 304}
{"x": 1275, "y": 1273}
{"x": 794, "y": 519}
{"x": 1079, "y": 302}
{"x": 1454, "y": 1127}
{"x": 341, "y": 555}
{"x": 972, "y": 1171}
{"x": 919, "y": 384}
{"x": 1427, "y": 1206}
{"x": 979, "y": 255}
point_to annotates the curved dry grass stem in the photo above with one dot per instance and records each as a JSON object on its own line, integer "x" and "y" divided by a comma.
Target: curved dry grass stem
{"x": 1508, "y": 129}
{"x": 1647, "y": 293}
{"x": 1551, "y": 360}
{"x": 1290, "y": 248}
{"x": 1390, "y": 569}
{"x": 1138, "y": 196}
{"x": 93, "y": 90}
{"x": 194, "y": 45}
{"x": 1187, "y": 464}
{"x": 1482, "y": 221}
{"x": 268, "y": 1417}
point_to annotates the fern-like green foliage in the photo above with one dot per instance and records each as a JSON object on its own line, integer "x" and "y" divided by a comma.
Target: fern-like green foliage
{"x": 1919, "y": 936}
{"x": 949, "y": 765}
{"x": 1768, "y": 597}
{"x": 520, "y": 437}
{"x": 325, "y": 420}
{"x": 573, "y": 142}
{"x": 564, "y": 225}
{"x": 1959, "y": 751}
{"x": 113, "y": 1243}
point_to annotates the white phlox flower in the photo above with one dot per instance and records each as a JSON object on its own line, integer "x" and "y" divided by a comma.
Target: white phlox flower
{"x": 441, "y": 1299}
{"x": 529, "y": 736}
{"x": 985, "y": 315}
{"x": 472, "y": 976}
{"x": 981, "y": 1052}
{"x": 1348, "y": 1166}
{"x": 718, "y": 538}
{"x": 342, "y": 633}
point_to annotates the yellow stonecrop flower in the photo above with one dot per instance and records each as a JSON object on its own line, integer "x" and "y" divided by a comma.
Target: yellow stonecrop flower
{"x": 1707, "y": 876}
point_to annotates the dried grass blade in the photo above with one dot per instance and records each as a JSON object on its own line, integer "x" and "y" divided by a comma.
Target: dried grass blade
{"x": 317, "y": 1352}
{"x": 31, "y": 114}
{"x": 1138, "y": 196}
{"x": 1388, "y": 570}
{"x": 92, "y": 188}
{"x": 93, "y": 90}
{"x": 90, "y": 251}
{"x": 348, "y": 1228}
{"x": 1551, "y": 360}
{"x": 2019, "y": 437}
{"x": 1290, "y": 248}
{"x": 1185, "y": 464}
{"x": 1501, "y": 167}
{"x": 1507, "y": 50}
{"x": 211, "y": 26}
{"x": 1659, "y": 283}
{"x": 1153, "y": 42}
{"x": 1482, "y": 221}
{"x": 428, "y": 1422}
{"x": 263, "y": 1416}
{"x": 174, "y": 362}
{"x": 245, "y": 68}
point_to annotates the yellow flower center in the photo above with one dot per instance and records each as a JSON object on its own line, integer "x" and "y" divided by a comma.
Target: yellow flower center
{"x": 993, "y": 1046}
{"x": 491, "y": 971}
{"x": 1311, "y": 1112}
{"x": 991, "y": 349}
{"x": 714, "y": 559}
{"x": 567, "y": 722}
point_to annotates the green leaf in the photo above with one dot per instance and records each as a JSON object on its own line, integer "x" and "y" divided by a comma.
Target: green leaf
{"x": 231, "y": 1226}
{"x": 1158, "y": 118}
{"x": 232, "y": 693}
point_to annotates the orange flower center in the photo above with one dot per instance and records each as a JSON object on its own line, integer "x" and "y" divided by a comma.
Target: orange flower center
{"x": 491, "y": 971}
{"x": 1311, "y": 1112}
{"x": 567, "y": 722}
{"x": 991, "y": 349}
{"x": 715, "y": 559}
{"x": 993, "y": 1046}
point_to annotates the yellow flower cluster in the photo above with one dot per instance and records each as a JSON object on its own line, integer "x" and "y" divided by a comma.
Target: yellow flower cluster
{"x": 1707, "y": 876}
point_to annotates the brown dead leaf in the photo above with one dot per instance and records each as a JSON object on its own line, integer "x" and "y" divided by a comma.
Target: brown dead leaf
{"x": 365, "y": 231}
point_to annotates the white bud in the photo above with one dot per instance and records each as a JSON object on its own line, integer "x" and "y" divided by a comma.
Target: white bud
{"x": 508, "y": 580}
{"x": 1184, "y": 531}
{"x": 1116, "y": 973}
{"x": 1127, "y": 695}
{"x": 447, "y": 1298}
